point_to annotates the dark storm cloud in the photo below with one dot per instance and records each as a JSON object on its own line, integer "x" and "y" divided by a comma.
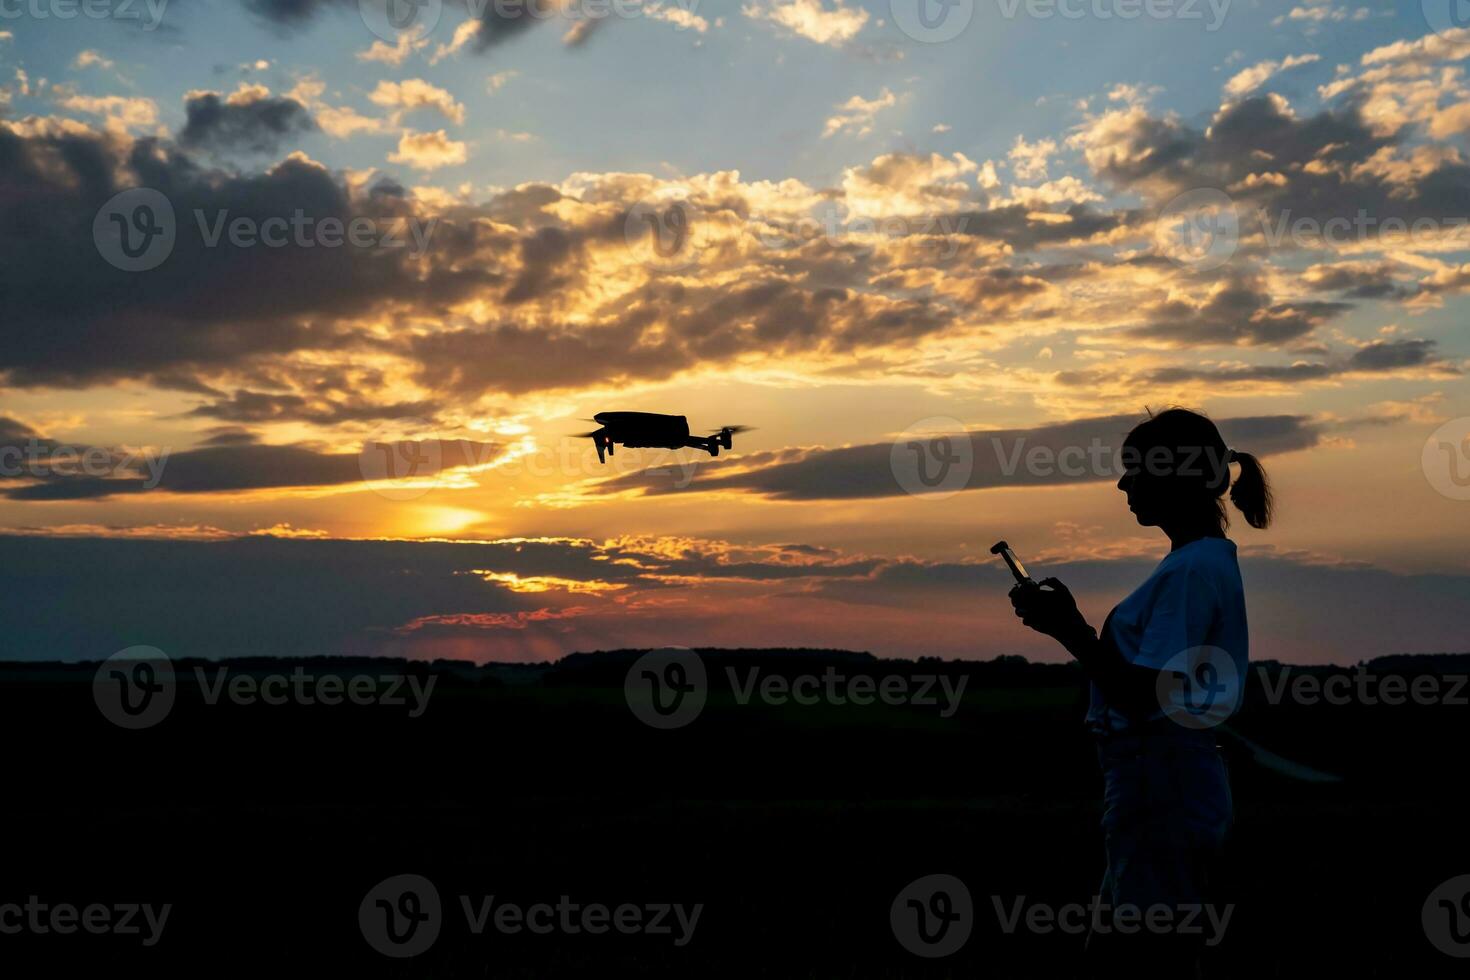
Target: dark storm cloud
{"x": 1014, "y": 225}
{"x": 999, "y": 458}
{"x": 237, "y": 464}
{"x": 1389, "y": 355}
{"x": 1319, "y": 160}
{"x": 1239, "y": 312}
{"x": 1358, "y": 282}
{"x": 257, "y": 407}
{"x": 664, "y": 327}
{"x": 500, "y": 20}
{"x": 550, "y": 260}
{"x": 29, "y": 460}
{"x": 72, "y": 319}
{"x": 1248, "y": 137}
{"x": 505, "y": 20}
{"x": 292, "y": 12}
{"x": 1378, "y": 357}
{"x": 229, "y": 436}
{"x": 13, "y": 433}
{"x": 224, "y": 320}
{"x": 256, "y": 126}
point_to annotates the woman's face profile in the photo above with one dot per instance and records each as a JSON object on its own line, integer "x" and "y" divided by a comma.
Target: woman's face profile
{"x": 1142, "y": 495}
{"x": 1147, "y": 493}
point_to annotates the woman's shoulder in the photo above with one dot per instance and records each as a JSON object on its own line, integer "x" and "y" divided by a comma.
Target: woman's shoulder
{"x": 1213, "y": 560}
{"x": 1206, "y": 556}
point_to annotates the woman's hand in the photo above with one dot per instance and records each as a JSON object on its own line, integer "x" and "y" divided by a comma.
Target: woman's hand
{"x": 1049, "y": 608}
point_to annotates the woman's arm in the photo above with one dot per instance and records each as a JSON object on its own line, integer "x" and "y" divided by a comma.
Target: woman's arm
{"x": 1053, "y": 611}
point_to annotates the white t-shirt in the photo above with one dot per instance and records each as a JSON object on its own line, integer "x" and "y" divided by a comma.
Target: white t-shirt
{"x": 1192, "y": 608}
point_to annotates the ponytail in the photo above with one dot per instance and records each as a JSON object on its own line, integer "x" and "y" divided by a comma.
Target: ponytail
{"x": 1251, "y": 492}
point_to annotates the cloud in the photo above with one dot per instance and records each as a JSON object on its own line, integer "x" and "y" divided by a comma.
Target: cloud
{"x": 233, "y": 461}
{"x": 1021, "y": 228}
{"x": 537, "y": 288}
{"x": 238, "y": 468}
{"x": 394, "y": 54}
{"x": 333, "y": 400}
{"x": 1329, "y": 167}
{"x": 1254, "y": 77}
{"x": 1315, "y": 12}
{"x": 1358, "y": 280}
{"x": 1378, "y": 357}
{"x": 495, "y": 82}
{"x": 917, "y": 268}
{"x": 856, "y": 115}
{"x": 462, "y": 36}
{"x": 201, "y": 312}
{"x": 909, "y": 183}
{"x": 1067, "y": 190}
{"x": 997, "y": 459}
{"x": 250, "y": 119}
{"x": 497, "y": 23}
{"x": 415, "y": 93}
{"x": 429, "y": 151}
{"x": 291, "y": 12}
{"x": 810, "y": 19}
{"x": 1235, "y": 311}
{"x": 120, "y": 113}
{"x": 1409, "y": 84}
{"x": 1390, "y": 355}
{"x": 1029, "y": 160}
{"x": 91, "y": 59}
{"x": 683, "y": 19}
{"x": 579, "y": 31}
{"x": 341, "y": 122}
{"x": 1431, "y": 49}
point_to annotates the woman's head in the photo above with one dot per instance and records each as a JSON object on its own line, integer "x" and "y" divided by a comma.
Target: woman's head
{"x": 1177, "y": 469}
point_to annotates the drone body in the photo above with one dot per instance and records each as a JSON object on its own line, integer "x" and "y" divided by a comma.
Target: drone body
{"x": 646, "y": 430}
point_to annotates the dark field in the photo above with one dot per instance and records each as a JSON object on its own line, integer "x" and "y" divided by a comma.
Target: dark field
{"x": 795, "y": 826}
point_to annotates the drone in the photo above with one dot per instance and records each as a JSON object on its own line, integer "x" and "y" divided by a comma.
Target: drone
{"x": 645, "y": 430}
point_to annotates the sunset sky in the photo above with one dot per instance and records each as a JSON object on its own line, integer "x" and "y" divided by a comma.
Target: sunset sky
{"x": 984, "y": 229}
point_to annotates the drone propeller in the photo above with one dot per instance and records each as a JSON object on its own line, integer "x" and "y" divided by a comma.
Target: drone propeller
{"x": 734, "y": 429}
{"x": 583, "y": 435}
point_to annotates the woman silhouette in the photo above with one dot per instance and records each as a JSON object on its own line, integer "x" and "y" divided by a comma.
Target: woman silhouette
{"x": 1168, "y": 666}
